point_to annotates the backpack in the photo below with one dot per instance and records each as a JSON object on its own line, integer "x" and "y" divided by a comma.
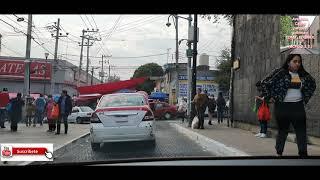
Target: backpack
{"x": 55, "y": 111}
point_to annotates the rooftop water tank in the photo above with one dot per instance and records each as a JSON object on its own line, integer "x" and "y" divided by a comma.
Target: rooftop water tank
{"x": 204, "y": 60}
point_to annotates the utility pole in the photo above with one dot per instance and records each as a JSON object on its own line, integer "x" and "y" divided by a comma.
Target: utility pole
{"x": 102, "y": 70}
{"x": 53, "y": 70}
{"x": 81, "y": 51}
{"x": 189, "y": 73}
{"x": 87, "y": 69}
{"x": 27, "y": 61}
{"x": 92, "y": 75}
{"x": 109, "y": 70}
{"x": 88, "y": 45}
{"x": 177, "y": 57}
{"x": 194, "y": 68}
{"x": 168, "y": 50}
{"x": 231, "y": 90}
{"x": 81, "y": 54}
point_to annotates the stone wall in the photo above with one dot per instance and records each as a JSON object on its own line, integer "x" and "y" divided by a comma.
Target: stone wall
{"x": 257, "y": 44}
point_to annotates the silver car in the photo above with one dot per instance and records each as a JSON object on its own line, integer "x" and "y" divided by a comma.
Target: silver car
{"x": 122, "y": 117}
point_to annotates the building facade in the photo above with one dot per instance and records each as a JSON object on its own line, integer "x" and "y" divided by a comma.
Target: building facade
{"x": 66, "y": 76}
{"x": 205, "y": 80}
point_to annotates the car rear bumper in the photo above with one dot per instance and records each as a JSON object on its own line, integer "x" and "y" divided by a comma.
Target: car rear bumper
{"x": 123, "y": 134}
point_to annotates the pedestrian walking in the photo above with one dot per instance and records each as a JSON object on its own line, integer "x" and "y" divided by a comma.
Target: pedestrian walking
{"x": 211, "y": 108}
{"x": 200, "y": 100}
{"x": 221, "y": 104}
{"x": 40, "y": 104}
{"x": 16, "y": 111}
{"x": 182, "y": 109}
{"x": 290, "y": 88}
{"x": 51, "y": 119}
{"x": 4, "y": 100}
{"x": 30, "y": 110}
{"x": 262, "y": 120}
{"x": 65, "y": 108}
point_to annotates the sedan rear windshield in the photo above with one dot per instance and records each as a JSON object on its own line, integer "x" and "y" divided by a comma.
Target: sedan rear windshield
{"x": 122, "y": 100}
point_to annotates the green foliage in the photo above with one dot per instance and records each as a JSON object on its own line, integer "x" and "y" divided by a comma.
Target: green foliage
{"x": 224, "y": 65}
{"x": 148, "y": 70}
{"x": 286, "y": 29}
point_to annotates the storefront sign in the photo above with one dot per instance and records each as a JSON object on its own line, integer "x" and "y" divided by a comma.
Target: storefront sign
{"x": 14, "y": 69}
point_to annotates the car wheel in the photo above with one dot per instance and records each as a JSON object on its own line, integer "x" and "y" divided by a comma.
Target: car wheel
{"x": 78, "y": 120}
{"x": 95, "y": 146}
{"x": 167, "y": 116}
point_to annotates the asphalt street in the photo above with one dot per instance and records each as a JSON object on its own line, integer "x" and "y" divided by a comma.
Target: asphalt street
{"x": 169, "y": 143}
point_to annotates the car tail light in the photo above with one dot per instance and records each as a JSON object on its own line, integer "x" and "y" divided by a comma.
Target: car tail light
{"x": 94, "y": 118}
{"x": 148, "y": 117}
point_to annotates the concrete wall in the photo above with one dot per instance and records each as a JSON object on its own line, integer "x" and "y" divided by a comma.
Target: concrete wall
{"x": 257, "y": 43}
{"x": 315, "y": 26}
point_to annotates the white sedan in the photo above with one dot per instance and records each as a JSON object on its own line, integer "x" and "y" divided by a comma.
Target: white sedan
{"x": 122, "y": 117}
{"x": 80, "y": 114}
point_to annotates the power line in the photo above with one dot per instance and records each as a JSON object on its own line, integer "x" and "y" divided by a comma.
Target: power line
{"x": 11, "y": 49}
{"x": 142, "y": 19}
{"x": 84, "y": 22}
{"x": 14, "y": 21}
{"x": 109, "y": 35}
{"x": 94, "y": 22}
{"x": 14, "y": 28}
{"x": 89, "y": 21}
{"x": 100, "y": 37}
{"x": 139, "y": 24}
{"x": 119, "y": 57}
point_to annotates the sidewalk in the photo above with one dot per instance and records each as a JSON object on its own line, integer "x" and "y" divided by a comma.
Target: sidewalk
{"x": 237, "y": 141}
{"x": 39, "y": 134}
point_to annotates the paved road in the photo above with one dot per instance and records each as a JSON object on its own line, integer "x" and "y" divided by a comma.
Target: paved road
{"x": 169, "y": 143}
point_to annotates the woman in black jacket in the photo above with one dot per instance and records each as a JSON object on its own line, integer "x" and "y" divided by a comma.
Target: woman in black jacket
{"x": 290, "y": 88}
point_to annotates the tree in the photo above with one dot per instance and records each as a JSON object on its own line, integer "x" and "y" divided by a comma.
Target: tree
{"x": 224, "y": 65}
{"x": 286, "y": 29}
{"x": 148, "y": 70}
{"x": 216, "y": 18}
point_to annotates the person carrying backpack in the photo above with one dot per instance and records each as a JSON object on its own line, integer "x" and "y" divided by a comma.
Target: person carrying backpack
{"x": 40, "y": 104}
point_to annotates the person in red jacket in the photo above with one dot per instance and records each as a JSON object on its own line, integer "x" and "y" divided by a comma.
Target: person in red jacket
{"x": 4, "y": 100}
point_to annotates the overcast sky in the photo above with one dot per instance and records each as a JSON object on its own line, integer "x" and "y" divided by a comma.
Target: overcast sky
{"x": 122, "y": 35}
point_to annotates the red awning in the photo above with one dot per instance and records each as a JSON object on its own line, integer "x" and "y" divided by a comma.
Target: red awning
{"x": 112, "y": 87}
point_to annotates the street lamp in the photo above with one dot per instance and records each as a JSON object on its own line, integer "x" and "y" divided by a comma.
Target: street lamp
{"x": 45, "y": 73}
{"x": 177, "y": 54}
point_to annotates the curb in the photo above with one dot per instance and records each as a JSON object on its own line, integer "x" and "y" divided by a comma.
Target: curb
{"x": 58, "y": 149}
{"x": 211, "y": 145}
{"x": 272, "y": 133}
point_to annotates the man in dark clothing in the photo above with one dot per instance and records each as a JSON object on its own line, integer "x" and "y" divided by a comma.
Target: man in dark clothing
{"x": 16, "y": 113}
{"x": 65, "y": 106}
{"x": 221, "y": 104}
{"x": 211, "y": 108}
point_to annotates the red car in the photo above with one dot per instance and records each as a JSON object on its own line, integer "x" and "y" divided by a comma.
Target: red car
{"x": 163, "y": 110}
